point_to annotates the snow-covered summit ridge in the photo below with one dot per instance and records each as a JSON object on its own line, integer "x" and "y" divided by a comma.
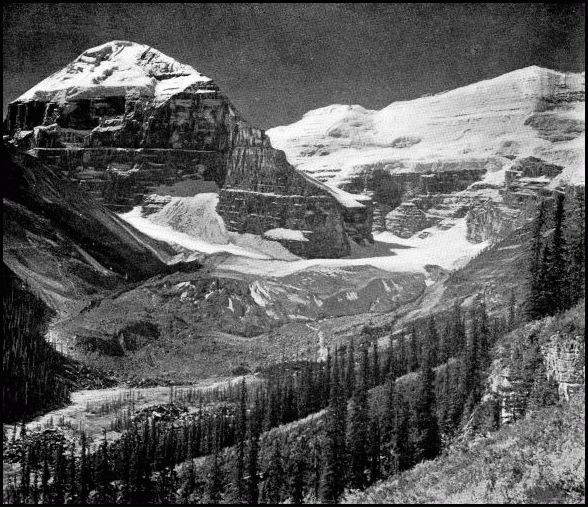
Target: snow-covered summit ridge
{"x": 528, "y": 112}
{"x": 113, "y": 69}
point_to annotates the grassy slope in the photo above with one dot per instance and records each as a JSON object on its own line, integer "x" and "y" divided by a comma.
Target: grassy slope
{"x": 539, "y": 459}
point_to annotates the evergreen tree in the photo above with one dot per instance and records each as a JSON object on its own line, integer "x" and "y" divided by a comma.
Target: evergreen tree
{"x": 470, "y": 382}
{"x": 358, "y": 430}
{"x": 296, "y": 474}
{"x": 483, "y": 335}
{"x": 213, "y": 489}
{"x": 252, "y": 458}
{"x": 413, "y": 350}
{"x": 534, "y": 307}
{"x": 375, "y": 449}
{"x": 84, "y": 472}
{"x": 104, "y": 488}
{"x": 350, "y": 376}
{"x": 45, "y": 475}
{"x": 273, "y": 485}
{"x": 375, "y": 381}
{"x": 326, "y": 380}
{"x": 333, "y": 473}
{"x": 548, "y": 282}
{"x": 427, "y": 444}
{"x": 403, "y": 450}
{"x": 576, "y": 273}
{"x": 35, "y": 488}
{"x": 402, "y": 360}
{"x": 445, "y": 344}
{"x": 72, "y": 473}
{"x": 25, "y": 472}
{"x": 238, "y": 492}
{"x": 557, "y": 268}
{"x": 389, "y": 424}
{"x": 458, "y": 335}
{"x": 433, "y": 341}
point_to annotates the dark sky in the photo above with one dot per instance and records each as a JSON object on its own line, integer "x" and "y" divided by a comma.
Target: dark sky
{"x": 277, "y": 61}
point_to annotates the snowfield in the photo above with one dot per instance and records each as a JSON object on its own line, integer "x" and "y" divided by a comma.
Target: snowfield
{"x": 192, "y": 224}
{"x": 484, "y": 123}
{"x": 448, "y": 249}
{"x": 117, "y": 68}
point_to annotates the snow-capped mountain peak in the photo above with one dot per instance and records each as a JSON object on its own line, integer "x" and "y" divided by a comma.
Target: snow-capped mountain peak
{"x": 532, "y": 111}
{"x": 113, "y": 69}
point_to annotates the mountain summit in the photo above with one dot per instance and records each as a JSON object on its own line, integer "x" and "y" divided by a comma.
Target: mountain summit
{"x": 531, "y": 111}
{"x": 114, "y": 69}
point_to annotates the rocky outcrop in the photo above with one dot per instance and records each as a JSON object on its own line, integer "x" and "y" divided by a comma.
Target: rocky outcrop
{"x": 490, "y": 221}
{"x": 389, "y": 187}
{"x": 565, "y": 361}
{"x": 124, "y": 130}
{"x": 407, "y": 219}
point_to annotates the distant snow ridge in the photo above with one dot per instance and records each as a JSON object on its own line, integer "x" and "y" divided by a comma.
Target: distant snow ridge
{"x": 528, "y": 112}
{"x": 114, "y": 69}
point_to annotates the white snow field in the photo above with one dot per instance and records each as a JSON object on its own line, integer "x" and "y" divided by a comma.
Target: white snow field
{"x": 483, "y": 123}
{"x": 114, "y": 69}
{"x": 448, "y": 249}
{"x": 193, "y": 224}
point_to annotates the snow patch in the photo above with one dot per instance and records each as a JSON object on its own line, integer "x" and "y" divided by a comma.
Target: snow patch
{"x": 259, "y": 294}
{"x": 286, "y": 234}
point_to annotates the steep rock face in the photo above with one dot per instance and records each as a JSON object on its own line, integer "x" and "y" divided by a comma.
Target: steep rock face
{"x": 565, "y": 360}
{"x": 525, "y": 182}
{"x": 407, "y": 219}
{"x": 124, "y": 121}
{"x": 263, "y": 193}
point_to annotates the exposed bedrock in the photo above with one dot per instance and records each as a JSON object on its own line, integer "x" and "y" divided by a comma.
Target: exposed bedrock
{"x": 121, "y": 177}
{"x": 120, "y": 148}
{"x": 392, "y": 188}
{"x": 402, "y": 200}
{"x": 490, "y": 221}
{"x": 262, "y": 192}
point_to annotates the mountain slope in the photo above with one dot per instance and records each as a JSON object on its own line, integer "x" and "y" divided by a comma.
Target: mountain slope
{"x": 531, "y": 111}
{"x": 128, "y": 122}
{"x": 62, "y": 243}
{"x": 539, "y": 459}
{"x": 484, "y": 153}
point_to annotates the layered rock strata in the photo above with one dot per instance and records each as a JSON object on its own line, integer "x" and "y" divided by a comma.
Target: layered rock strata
{"x": 124, "y": 121}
